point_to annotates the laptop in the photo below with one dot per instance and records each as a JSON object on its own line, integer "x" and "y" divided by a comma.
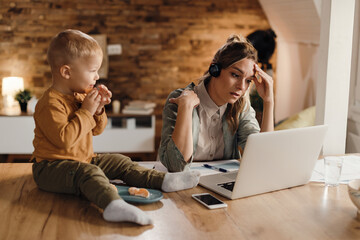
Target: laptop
{"x": 271, "y": 161}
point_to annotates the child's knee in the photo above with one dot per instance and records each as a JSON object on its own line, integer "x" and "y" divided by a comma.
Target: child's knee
{"x": 122, "y": 158}
{"x": 122, "y": 161}
{"x": 90, "y": 171}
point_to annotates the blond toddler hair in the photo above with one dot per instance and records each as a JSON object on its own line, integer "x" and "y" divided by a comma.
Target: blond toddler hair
{"x": 70, "y": 45}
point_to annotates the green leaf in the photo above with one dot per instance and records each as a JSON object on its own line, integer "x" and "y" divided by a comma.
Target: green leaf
{"x": 23, "y": 96}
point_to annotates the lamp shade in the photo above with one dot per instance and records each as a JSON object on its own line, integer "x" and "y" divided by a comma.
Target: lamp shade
{"x": 11, "y": 85}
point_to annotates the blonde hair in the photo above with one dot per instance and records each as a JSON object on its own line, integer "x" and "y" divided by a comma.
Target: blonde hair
{"x": 235, "y": 49}
{"x": 69, "y": 45}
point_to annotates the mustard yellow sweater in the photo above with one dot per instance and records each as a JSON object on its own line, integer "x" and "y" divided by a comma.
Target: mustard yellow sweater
{"x": 63, "y": 130}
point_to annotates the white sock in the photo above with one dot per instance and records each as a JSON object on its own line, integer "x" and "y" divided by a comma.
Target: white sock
{"x": 120, "y": 211}
{"x": 180, "y": 181}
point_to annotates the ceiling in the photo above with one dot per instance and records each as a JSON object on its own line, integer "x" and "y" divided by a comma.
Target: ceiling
{"x": 294, "y": 20}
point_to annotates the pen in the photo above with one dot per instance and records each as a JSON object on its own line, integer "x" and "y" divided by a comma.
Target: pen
{"x": 215, "y": 168}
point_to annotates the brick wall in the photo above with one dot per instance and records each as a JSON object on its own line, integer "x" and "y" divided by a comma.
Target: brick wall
{"x": 166, "y": 44}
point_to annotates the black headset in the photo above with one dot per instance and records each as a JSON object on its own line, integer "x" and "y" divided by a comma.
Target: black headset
{"x": 215, "y": 69}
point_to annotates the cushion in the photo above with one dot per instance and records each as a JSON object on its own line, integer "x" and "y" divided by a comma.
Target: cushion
{"x": 305, "y": 118}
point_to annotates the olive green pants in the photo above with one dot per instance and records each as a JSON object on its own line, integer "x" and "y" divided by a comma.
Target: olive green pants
{"x": 91, "y": 180}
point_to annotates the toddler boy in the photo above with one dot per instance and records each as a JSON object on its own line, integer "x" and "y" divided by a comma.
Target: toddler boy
{"x": 66, "y": 117}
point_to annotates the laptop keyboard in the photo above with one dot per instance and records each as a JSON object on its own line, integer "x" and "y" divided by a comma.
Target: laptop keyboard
{"x": 229, "y": 185}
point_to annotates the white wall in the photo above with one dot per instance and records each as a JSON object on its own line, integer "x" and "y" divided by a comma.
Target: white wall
{"x": 305, "y": 58}
{"x": 296, "y": 78}
{"x": 353, "y": 130}
{"x": 297, "y": 25}
{"x": 332, "y": 96}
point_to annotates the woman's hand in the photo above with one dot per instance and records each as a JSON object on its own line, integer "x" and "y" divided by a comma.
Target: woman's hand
{"x": 264, "y": 85}
{"x": 187, "y": 98}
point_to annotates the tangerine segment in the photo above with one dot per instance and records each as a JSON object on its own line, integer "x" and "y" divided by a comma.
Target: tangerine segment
{"x": 142, "y": 192}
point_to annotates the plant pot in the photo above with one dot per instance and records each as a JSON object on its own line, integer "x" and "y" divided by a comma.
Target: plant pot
{"x": 23, "y": 107}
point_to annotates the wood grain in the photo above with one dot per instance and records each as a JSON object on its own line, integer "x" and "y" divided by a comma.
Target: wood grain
{"x": 306, "y": 212}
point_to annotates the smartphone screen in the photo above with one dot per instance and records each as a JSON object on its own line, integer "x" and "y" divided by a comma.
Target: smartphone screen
{"x": 208, "y": 199}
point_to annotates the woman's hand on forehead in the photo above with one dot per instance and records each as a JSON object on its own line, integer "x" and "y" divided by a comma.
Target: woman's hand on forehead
{"x": 264, "y": 85}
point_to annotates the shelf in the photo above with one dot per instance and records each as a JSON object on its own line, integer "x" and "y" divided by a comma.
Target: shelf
{"x": 139, "y": 136}
{"x": 130, "y": 122}
{"x": 110, "y": 115}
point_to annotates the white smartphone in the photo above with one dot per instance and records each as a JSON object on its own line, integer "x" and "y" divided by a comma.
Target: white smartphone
{"x": 209, "y": 200}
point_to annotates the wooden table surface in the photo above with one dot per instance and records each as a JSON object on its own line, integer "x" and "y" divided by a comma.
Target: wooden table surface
{"x": 306, "y": 212}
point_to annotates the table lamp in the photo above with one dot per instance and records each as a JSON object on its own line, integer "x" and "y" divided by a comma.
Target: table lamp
{"x": 10, "y": 86}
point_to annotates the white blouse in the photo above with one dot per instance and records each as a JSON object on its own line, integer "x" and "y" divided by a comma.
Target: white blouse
{"x": 211, "y": 140}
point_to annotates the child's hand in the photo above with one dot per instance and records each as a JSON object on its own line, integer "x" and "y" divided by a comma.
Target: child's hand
{"x": 92, "y": 101}
{"x": 105, "y": 97}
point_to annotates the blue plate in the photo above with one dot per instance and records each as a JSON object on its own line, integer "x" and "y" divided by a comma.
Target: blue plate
{"x": 155, "y": 195}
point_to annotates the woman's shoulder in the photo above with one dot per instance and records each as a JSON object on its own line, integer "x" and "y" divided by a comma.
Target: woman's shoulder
{"x": 247, "y": 110}
{"x": 177, "y": 92}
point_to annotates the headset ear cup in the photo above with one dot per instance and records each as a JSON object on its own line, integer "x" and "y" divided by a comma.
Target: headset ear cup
{"x": 215, "y": 70}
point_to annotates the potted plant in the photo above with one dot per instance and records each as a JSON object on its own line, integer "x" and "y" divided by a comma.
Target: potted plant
{"x": 23, "y": 97}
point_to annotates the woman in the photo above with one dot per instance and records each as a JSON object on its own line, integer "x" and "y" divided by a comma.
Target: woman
{"x": 212, "y": 120}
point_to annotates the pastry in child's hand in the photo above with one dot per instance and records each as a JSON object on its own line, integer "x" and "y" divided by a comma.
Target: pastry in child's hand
{"x": 88, "y": 90}
{"x": 101, "y": 90}
{"x": 142, "y": 192}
